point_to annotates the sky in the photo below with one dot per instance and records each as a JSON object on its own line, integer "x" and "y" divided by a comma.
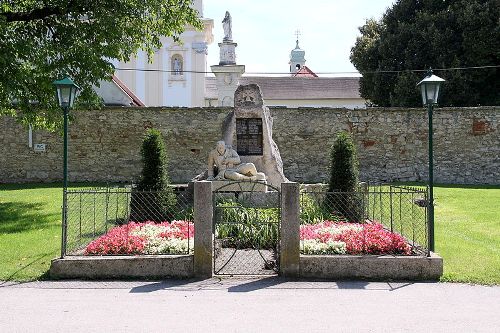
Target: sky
{"x": 265, "y": 31}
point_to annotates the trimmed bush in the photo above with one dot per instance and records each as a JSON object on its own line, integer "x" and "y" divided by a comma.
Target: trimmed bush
{"x": 344, "y": 174}
{"x": 344, "y": 177}
{"x": 153, "y": 199}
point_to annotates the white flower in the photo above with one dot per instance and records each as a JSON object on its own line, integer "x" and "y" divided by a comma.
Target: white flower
{"x": 313, "y": 246}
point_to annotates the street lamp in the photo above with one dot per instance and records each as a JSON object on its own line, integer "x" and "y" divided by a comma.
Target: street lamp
{"x": 430, "y": 93}
{"x": 66, "y": 91}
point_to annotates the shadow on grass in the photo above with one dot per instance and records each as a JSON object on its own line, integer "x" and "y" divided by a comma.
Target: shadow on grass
{"x": 20, "y": 216}
{"x": 36, "y": 186}
{"x": 44, "y": 276}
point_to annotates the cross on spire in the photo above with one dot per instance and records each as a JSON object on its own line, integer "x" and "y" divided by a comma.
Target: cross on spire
{"x": 297, "y": 34}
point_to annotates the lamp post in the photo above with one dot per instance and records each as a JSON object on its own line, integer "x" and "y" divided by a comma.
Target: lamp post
{"x": 430, "y": 93}
{"x": 66, "y": 91}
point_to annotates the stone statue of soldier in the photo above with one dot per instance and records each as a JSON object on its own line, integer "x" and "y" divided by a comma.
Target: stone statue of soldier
{"x": 229, "y": 166}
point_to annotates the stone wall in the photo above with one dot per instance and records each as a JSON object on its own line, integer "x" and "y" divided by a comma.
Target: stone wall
{"x": 392, "y": 143}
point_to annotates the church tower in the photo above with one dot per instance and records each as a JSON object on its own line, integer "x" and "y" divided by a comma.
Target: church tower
{"x": 297, "y": 60}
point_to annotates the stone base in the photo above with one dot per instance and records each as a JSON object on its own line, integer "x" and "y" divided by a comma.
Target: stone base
{"x": 227, "y": 53}
{"x": 110, "y": 267}
{"x": 231, "y": 186}
{"x": 371, "y": 267}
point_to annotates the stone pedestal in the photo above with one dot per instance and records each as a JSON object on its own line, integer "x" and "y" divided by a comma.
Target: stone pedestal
{"x": 227, "y": 53}
{"x": 228, "y": 79}
{"x": 230, "y": 186}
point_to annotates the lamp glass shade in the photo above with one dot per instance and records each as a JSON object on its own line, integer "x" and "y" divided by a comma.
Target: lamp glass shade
{"x": 66, "y": 91}
{"x": 429, "y": 87}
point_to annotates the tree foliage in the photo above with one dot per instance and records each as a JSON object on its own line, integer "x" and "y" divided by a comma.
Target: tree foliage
{"x": 41, "y": 41}
{"x": 429, "y": 33}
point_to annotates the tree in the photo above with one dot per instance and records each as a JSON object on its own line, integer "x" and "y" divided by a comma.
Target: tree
{"x": 154, "y": 199}
{"x": 41, "y": 41}
{"x": 342, "y": 197}
{"x": 428, "y": 33}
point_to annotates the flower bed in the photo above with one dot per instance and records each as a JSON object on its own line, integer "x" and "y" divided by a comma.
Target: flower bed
{"x": 135, "y": 238}
{"x": 331, "y": 237}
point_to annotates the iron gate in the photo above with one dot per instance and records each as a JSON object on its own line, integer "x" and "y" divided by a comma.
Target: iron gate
{"x": 247, "y": 218}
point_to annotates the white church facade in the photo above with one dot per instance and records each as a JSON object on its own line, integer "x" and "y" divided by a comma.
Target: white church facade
{"x": 177, "y": 76}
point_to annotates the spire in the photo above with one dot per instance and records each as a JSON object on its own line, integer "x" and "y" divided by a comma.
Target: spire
{"x": 297, "y": 56}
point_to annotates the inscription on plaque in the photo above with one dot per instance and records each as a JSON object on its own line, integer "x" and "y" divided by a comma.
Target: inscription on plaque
{"x": 249, "y": 140}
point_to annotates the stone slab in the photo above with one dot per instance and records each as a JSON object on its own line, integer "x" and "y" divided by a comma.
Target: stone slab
{"x": 107, "y": 267}
{"x": 371, "y": 267}
{"x": 260, "y": 186}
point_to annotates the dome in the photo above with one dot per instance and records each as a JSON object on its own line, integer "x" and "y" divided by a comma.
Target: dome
{"x": 297, "y": 54}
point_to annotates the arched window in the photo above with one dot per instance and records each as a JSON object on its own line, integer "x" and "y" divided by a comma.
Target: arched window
{"x": 177, "y": 64}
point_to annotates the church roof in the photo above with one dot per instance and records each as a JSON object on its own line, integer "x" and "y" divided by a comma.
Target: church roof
{"x": 136, "y": 101}
{"x": 305, "y": 71}
{"x": 288, "y": 87}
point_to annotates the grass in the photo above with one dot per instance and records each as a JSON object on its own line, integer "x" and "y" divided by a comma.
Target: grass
{"x": 467, "y": 231}
{"x": 30, "y": 229}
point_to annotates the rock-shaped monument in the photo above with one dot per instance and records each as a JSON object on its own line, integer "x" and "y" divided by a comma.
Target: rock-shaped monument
{"x": 249, "y": 131}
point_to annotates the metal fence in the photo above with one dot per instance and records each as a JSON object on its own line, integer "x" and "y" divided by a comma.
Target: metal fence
{"x": 103, "y": 221}
{"x": 378, "y": 210}
{"x": 247, "y": 229}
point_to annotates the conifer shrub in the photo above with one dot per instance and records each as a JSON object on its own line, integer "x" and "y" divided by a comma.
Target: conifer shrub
{"x": 153, "y": 199}
{"x": 343, "y": 198}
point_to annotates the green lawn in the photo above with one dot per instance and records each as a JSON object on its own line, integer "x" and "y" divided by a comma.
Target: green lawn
{"x": 30, "y": 229}
{"x": 467, "y": 231}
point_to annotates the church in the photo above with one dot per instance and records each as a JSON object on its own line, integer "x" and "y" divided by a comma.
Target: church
{"x": 179, "y": 76}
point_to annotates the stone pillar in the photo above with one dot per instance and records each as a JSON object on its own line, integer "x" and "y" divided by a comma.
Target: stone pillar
{"x": 203, "y": 232}
{"x": 228, "y": 79}
{"x": 290, "y": 230}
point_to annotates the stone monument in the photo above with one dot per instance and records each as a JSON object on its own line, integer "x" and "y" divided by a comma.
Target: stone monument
{"x": 249, "y": 130}
{"x": 247, "y": 151}
{"x": 227, "y": 73}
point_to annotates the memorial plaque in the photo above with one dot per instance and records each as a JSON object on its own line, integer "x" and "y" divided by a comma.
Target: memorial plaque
{"x": 249, "y": 139}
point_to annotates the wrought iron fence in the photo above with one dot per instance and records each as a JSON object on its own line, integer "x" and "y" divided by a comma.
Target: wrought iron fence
{"x": 112, "y": 221}
{"x": 363, "y": 219}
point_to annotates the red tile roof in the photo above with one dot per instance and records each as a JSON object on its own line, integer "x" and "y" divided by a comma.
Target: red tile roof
{"x": 305, "y": 72}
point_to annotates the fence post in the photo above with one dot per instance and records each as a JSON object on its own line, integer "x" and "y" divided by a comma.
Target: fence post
{"x": 64, "y": 224}
{"x": 203, "y": 232}
{"x": 290, "y": 230}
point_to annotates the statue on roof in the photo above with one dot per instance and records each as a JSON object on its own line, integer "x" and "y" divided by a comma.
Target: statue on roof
{"x": 227, "y": 26}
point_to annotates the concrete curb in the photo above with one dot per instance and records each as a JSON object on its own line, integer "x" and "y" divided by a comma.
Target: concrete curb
{"x": 371, "y": 267}
{"x": 107, "y": 267}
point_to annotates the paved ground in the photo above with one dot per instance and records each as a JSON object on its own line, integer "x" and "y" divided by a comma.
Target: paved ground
{"x": 248, "y": 305}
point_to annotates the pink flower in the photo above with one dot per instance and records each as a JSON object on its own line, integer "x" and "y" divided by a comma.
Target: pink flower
{"x": 370, "y": 237}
